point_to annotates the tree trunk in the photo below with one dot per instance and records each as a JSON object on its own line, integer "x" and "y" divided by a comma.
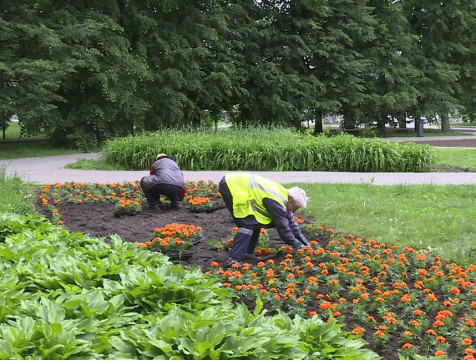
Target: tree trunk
{"x": 318, "y": 129}
{"x": 445, "y": 122}
{"x": 4, "y": 126}
{"x": 402, "y": 121}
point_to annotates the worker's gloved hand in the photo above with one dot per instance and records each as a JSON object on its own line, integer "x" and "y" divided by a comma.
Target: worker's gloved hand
{"x": 303, "y": 239}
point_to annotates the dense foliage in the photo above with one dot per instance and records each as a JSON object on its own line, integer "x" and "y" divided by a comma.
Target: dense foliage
{"x": 268, "y": 150}
{"x": 70, "y": 296}
{"x": 95, "y": 69}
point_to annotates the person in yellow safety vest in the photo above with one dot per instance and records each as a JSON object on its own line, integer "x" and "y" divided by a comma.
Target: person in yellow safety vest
{"x": 256, "y": 202}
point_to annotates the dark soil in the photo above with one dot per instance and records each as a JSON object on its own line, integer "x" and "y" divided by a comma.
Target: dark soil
{"x": 449, "y": 143}
{"x": 98, "y": 220}
{"x": 445, "y": 168}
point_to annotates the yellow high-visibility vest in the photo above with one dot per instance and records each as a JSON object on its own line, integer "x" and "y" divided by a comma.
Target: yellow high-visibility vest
{"x": 249, "y": 190}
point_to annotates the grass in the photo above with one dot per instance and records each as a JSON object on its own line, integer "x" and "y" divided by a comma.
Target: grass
{"x": 428, "y": 217}
{"x": 15, "y": 195}
{"x": 91, "y": 164}
{"x": 12, "y": 132}
{"x": 436, "y": 218}
{"x": 426, "y": 132}
{"x": 40, "y": 148}
{"x": 457, "y": 157}
{"x": 464, "y": 158}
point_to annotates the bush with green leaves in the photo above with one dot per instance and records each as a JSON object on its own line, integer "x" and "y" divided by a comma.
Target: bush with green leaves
{"x": 262, "y": 149}
{"x": 70, "y": 296}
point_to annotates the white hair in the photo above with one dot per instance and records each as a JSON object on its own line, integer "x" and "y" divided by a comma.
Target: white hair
{"x": 299, "y": 196}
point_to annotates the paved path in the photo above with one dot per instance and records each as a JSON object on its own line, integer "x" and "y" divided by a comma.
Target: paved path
{"x": 51, "y": 169}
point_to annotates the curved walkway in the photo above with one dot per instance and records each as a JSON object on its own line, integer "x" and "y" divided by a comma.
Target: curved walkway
{"x": 51, "y": 169}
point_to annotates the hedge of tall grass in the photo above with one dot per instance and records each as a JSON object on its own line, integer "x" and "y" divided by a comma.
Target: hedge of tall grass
{"x": 263, "y": 149}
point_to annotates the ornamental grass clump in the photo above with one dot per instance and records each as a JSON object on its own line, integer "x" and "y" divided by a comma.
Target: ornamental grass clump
{"x": 263, "y": 149}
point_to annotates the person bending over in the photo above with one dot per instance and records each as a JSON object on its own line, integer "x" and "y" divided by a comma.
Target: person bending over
{"x": 256, "y": 202}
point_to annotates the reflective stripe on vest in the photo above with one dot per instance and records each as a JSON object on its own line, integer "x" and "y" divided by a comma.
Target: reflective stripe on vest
{"x": 249, "y": 190}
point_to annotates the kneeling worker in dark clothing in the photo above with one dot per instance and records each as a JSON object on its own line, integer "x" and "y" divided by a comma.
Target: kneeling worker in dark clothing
{"x": 166, "y": 179}
{"x": 257, "y": 202}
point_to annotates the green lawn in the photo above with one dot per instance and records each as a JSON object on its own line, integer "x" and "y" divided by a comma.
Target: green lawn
{"x": 429, "y": 217}
{"x": 457, "y": 157}
{"x": 426, "y": 133}
{"x": 41, "y": 148}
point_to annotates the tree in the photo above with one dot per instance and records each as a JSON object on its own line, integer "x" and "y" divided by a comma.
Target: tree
{"x": 390, "y": 81}
{"x": 440, "y": 28}
{"x": 29, "y": 75}
{"x": 336, "y": 32}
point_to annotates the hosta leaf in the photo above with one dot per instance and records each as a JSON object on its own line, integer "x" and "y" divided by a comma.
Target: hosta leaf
{"x": 45, "y": 353}
{"x": 6, "y": 350}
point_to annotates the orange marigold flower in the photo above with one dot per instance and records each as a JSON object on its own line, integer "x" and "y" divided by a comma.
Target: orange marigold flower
{"x": 466, "y": 341}
{"x": 358, "y": 331}
{"x": 469, "y": 322}
{"x": 440, "y": 353}
{"x": 407, "y": 346}
{"x": 325, "y": 305}
{"x": 438, "y": 323}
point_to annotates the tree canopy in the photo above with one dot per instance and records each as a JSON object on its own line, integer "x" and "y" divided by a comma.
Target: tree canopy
{"x": 95, "y": 69}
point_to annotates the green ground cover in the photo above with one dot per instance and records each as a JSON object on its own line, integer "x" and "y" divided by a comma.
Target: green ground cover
{"x": 464, "y": 158}
{"x": 37, "y": 148}
{"x": 430, "y": 218}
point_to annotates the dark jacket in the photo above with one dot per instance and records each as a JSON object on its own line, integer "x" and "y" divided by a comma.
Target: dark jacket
{"x": 163, "y": 171}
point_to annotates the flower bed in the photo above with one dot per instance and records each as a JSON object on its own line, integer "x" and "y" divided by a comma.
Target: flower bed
{"x": 399, "y": 300}
{"x": 386, "y": 294}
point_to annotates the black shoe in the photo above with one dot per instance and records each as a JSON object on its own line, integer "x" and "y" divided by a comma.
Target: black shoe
{"x": 297, "y": 245}
{"x": 175, "y": 206}
{"x": 232, "y": 261}
{"x": 252, "y": 257}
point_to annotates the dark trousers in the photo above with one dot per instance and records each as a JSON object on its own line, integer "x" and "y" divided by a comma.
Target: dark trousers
{"x": 172, "y": 192}
{"x": 249, "y": 229}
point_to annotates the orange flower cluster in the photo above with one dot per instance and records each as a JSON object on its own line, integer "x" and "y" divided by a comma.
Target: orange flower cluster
{"x": 128, "y": 196}
{"x": 354, "y": 277}
{"x": 175, "y": 236}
